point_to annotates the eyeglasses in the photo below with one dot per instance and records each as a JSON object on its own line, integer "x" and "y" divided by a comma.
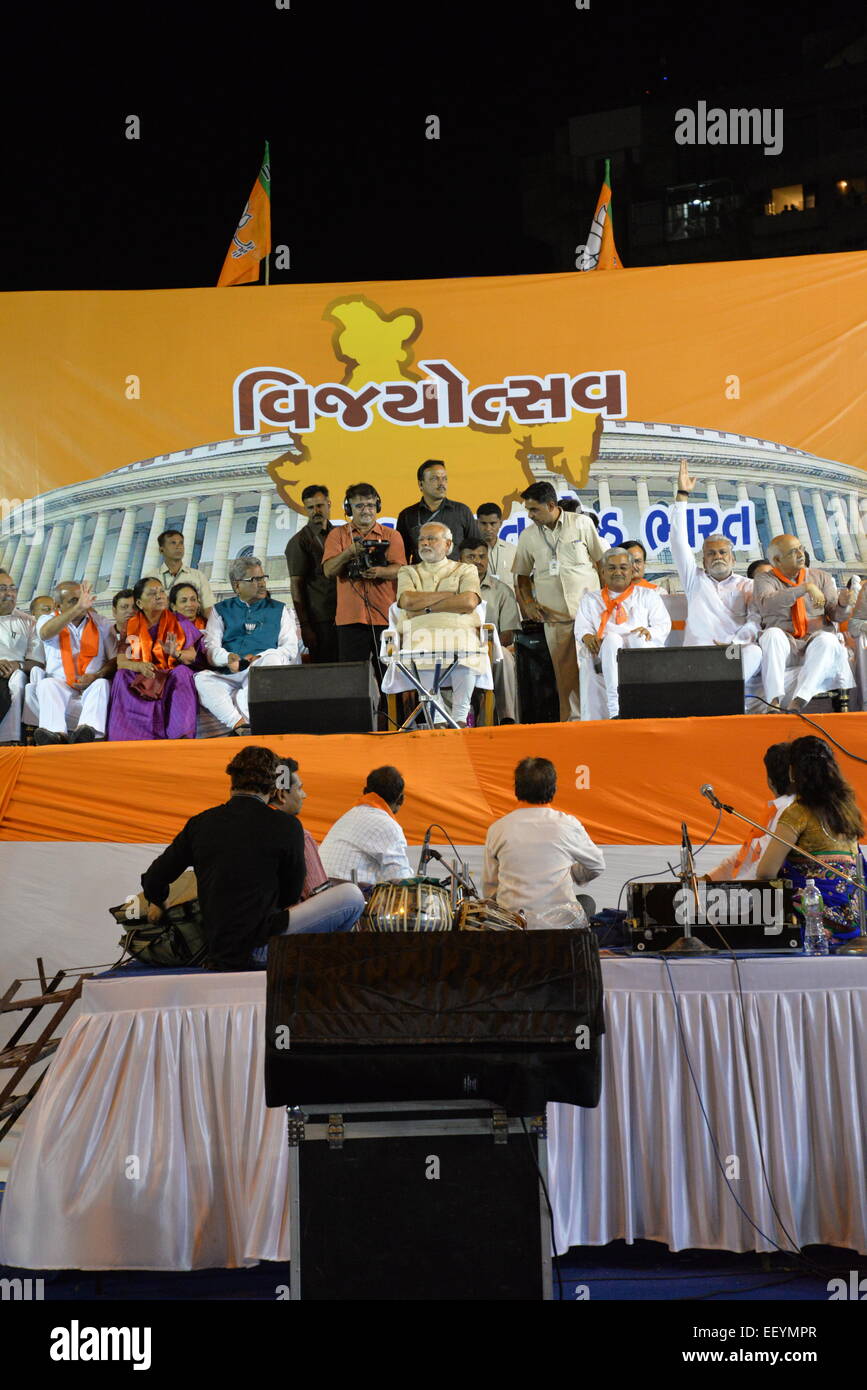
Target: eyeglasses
{"x": 254, "y": 579}
{"x": 8, "y": 588}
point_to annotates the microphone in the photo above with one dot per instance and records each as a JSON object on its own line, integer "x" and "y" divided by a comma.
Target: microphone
{"x": 708, "y": 791}
{"x": 684, "y": 850}
{"x": 426, "y": 851}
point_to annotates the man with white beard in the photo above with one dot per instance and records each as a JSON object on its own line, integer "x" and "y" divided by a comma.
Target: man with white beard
{"x": 440, "y": 598}
{"x": 619, "y": 615}
{"x": 720, "y": 608}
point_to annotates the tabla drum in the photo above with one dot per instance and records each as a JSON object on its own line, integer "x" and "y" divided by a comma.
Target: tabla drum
{"x": 413, "y": 904}
{"x": 483, "y": 914}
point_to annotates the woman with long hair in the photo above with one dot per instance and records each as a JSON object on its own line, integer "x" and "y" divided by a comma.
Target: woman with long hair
{"x": 153, "y": 694}
{"x": 824, "y": 821}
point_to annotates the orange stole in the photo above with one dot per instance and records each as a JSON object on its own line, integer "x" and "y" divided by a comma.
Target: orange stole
{"x": 799, "y": 608}
{"x": 145, "y": 648}
{"x": 75, "y": 666}
{"x": 374, "y": 799}
{"x": 613, "y": 604}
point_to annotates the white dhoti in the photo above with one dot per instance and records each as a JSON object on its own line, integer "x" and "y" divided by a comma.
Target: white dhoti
{"x": 31, "y": 696}
{"x": 62, "y": 709}
{"x": 600, "y": 697}
{"x": 823, "y": 664}
{"x": 10, "y": 724}
{"x": 224, "y": 693}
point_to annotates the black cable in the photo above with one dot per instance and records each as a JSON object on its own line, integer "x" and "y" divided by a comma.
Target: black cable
{"x": 555, "y": 1257}
{"x": 824, "y": 732}
{"x": 434, "y": 825}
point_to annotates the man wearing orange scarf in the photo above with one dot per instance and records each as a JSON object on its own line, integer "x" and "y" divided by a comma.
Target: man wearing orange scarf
{"x": 74, "y": 692}
{"x": 367, "y": 838}
{"x": 621, "y": 615}
{"x": 799, "y": 609}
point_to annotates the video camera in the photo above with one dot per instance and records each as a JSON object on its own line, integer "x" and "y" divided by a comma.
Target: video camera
{"x": 374, "y": 553}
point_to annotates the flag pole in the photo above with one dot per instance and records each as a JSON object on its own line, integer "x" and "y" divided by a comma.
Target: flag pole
{"x": 268, "y": 256}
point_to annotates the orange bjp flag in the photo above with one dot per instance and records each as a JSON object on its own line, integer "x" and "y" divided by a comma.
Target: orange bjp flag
{"x": 600, "y": 253}
{"x": 252, "y": 239}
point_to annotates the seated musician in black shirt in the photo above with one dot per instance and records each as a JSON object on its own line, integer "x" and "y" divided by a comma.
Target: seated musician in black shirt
{"x": 249, "y": 865}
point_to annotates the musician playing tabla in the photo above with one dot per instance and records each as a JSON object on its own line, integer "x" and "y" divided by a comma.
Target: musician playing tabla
{"x": 440, "y": 598}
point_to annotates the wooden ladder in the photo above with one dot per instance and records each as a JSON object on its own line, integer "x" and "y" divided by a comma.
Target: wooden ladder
{"x": 19, "y": 1056}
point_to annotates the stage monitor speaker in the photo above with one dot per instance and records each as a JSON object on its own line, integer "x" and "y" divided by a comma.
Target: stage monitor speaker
{"x": 678, "y": 682}
{"x": 331, "y": 698}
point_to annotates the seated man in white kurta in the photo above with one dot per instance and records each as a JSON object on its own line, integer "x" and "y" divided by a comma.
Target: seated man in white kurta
{"x": 620, "y": 615}
{"x": 248, "y": 628}
{"x": 439, "y": 598}
{"x": 73, "y": 696}
{"x": 20, "y": 652}
{"x": 720, "y": 607}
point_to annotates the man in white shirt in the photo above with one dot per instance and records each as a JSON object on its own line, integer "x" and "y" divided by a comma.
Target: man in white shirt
{"x": 367, "y": 838}
{"x": 248, "y": 628}
{"x": 742, "y": 863}
{"x": 720, "y": 608}
{"x": 73, "y": 696}
{"x": 555, "y": 564}
{"x": 621, "y": 615}
{"x": 535, "y": 857}
{"x": 171, "y": 569}
{"x": 501, "y": 554}
{"x": 20, "y": 652}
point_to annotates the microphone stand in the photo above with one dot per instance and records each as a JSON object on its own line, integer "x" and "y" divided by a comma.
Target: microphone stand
{"x": 857, "y": 947}
{"x": 688, "y": 945}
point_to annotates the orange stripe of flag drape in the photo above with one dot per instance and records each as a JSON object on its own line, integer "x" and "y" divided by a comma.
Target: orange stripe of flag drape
{"x": 600, "y": 253}
{"x": 252, "y": 240}
{"x": 630, "y": 782}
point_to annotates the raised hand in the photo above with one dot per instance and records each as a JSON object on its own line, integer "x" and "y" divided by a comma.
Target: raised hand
{"x": 86, "y": 597}
{"x": 684, "y": 482}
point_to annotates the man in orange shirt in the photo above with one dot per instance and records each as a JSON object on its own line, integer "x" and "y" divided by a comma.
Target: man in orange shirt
{"x": 365, "y": 591}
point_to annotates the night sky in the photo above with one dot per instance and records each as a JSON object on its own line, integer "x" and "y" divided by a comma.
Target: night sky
{"x": 342, "y": 92}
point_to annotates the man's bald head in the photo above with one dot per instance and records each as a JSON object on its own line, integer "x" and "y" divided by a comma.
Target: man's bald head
{"x": 66, "y": 594}
{"x": 787, "y": 554}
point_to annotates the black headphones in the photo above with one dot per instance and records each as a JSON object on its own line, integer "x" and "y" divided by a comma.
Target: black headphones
{"x": 347, "y": 510}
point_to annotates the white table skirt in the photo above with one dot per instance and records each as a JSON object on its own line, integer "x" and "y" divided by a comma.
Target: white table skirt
{"x": 149, "y": 1145}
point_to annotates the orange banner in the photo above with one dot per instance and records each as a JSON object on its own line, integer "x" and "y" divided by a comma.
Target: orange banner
{"x": 91, "y": 382}
{"x": 629, "y": 783}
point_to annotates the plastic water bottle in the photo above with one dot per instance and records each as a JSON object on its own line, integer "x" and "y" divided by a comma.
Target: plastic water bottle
{"x": 813, "y": 908}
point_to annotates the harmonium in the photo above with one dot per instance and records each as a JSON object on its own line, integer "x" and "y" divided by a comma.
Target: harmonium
{"x": 746, "y": 915}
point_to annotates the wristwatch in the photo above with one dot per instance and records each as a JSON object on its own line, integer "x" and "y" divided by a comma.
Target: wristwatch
{"x": 428, "y": 610}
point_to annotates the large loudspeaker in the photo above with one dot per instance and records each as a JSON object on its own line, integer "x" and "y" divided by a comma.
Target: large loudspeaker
{"x": 514, "y": 1018}
{"x": 538, "y": 701}
{"x": 677, "y": 682}
{"x": 332, "y": 698}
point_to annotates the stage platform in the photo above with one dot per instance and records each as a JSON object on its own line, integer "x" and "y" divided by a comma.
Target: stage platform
{"x": 80, "y": 823}
{"x": 629, "y": 781}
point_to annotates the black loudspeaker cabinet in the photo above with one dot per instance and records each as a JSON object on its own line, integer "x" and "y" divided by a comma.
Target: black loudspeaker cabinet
{"x": 679, "y": 682}
{"x": 337, "y": 697}
{"x": 538, "y": 701}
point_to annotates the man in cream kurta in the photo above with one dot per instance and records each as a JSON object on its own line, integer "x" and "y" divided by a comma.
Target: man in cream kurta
{"x": 440, "y": 598}
{"x": 621, "y": 615}
{"x": 558, "y": 553}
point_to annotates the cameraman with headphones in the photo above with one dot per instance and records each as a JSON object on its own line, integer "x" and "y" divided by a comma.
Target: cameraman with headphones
{"x": 365, "y": 572}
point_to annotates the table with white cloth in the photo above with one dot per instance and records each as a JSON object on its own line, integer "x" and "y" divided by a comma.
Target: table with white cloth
{"x": 149, "y": 1145}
